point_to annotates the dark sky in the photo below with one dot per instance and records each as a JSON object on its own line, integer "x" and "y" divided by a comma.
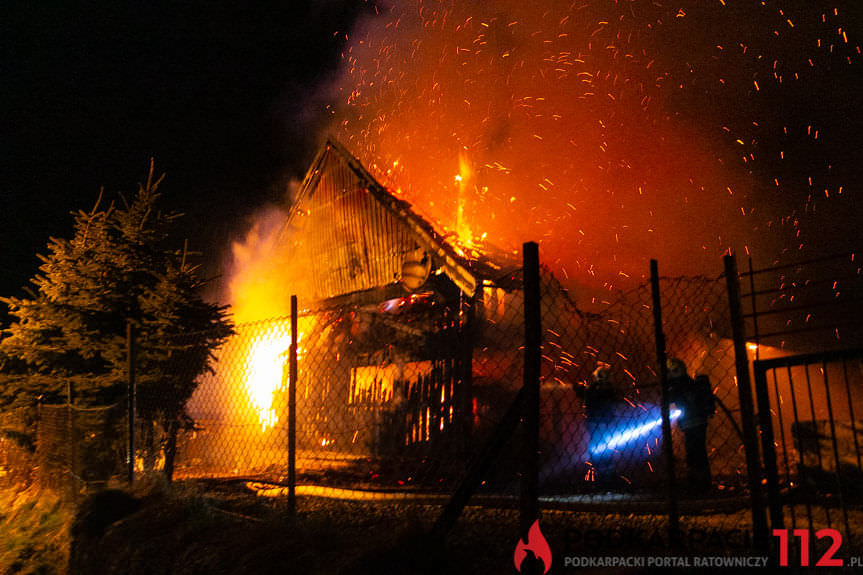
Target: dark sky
{"x": 227, "y": 96}
{"x": 230, "y": 101}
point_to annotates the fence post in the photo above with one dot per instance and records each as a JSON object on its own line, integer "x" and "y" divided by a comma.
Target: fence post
{"x": 292, "y": 413}
{"x": 72, "y": 470}
{"x": 71, "y": 452}
{"x": 469, "y": 306}
{"x": 747, "y": 412}
{"x": 130, "y": 369}
{"x": 768, "y": 448}
{"x": 667, "y": 445}
{"x": 529, "y": 511}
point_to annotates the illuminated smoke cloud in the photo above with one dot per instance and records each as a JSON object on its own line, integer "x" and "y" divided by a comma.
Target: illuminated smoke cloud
{"x": 612, "y": 132}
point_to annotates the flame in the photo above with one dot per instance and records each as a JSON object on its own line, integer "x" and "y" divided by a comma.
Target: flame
{"x": 536, "y": 543}
{"x": 266, "y": 368}
{"x": 263, "y": 275}
{"x": 260, "y": 285}
{"x": 158, "y": 464}
{"x": 587, "y": 128}
{"x": 463, "y": 183}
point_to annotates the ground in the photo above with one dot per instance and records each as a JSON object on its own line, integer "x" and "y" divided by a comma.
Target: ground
{"x": 219, "y": 527}
{"x": 34, "y": 527}
{"x": 222, "y": 527}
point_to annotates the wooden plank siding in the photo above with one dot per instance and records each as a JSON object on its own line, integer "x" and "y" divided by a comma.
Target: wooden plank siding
{"x": 354, "y": 242}
{"x": 352, "y": 237}
{"x": 357, "y": 235}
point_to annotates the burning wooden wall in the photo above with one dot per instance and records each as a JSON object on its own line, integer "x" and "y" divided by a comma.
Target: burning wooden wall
{"x": 356, "y": 236}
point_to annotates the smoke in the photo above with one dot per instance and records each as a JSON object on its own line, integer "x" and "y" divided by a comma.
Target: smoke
{"x": 263, "y": 269}
{"x": 253, "y": 262}
{"x": 610, "y": 132}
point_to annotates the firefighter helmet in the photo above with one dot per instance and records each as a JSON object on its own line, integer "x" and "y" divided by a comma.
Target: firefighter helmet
{"x": 676, "y": 367}
{"x": 602, "y": 373}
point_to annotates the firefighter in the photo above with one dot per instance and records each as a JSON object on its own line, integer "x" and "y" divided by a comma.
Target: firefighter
{"x": 600, "y": 404}
{"x": 694, "y": 398}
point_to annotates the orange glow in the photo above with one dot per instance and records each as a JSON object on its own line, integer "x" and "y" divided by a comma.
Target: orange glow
{"x": 261, "y": 283}
{"x": 266, "y": 373}
{"x": 563, "y": 129}
{"x": 464, "y": 184}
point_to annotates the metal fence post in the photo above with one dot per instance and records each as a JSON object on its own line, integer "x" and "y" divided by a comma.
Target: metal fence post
{"x": 768, "y": 448}
{"x": 529, "y": 510}
{"x": 747, "y": 412}
{"x": 292, "y": 413}
{"x": 130, "y": 367}
{"x": 72, "y": 453}
{"x": 667, "y": 445}
{"x": 467, "y": 340}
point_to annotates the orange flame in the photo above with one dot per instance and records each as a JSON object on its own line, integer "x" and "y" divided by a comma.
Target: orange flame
{"x": 266, "y": 365}
{"x": 263, "y": 276}
{"x": 563, "y": 116}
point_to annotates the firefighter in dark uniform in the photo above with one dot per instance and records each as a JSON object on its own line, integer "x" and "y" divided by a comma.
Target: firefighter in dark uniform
{"x": 694, "y": 397}
{"x": 600, "y": 404}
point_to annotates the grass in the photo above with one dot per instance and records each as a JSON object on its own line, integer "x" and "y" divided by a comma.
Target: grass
{"x": 221, "y": 528}
{"x": 189, "y": 529}
{"x": 34, "y": 531}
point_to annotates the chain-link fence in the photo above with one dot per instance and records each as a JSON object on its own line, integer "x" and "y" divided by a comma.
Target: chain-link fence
{"x": 380, "y": 400}
{"x": 79, "y": 448}
{"x": 620, "y": 449}
{"x": 396, "y": 399}
{"x": 17, "y": 445}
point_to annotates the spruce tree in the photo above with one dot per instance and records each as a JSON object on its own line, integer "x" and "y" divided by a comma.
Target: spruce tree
{"x": 70, "y": 333}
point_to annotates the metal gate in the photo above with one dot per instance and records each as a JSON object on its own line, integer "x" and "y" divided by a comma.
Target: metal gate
{"x": 811, "y": 438}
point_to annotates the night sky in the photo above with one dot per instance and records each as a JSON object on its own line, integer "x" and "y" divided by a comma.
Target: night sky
{"x": 228, "y": 99}
{"x": 761, "y": 99}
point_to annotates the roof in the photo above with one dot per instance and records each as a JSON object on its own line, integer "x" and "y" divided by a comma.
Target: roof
{"x": 369, "y": 231}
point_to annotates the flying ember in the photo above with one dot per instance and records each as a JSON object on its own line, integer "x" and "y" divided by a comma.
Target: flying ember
{"x": 611, "y": 131}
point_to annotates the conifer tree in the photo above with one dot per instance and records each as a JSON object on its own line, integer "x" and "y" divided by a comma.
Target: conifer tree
{"x": 70, "y": 333}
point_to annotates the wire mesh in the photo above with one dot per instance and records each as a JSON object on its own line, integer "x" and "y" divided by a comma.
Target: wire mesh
{"x": 395, "y": 398}
{"x": 79, "y": 448}
{"x": 380, "y": 400}
{"x": 394, "y": 401}
{"x": 602, "y": 452}
{"x": 620, "y": 448}
{"x": 17, "y": 445}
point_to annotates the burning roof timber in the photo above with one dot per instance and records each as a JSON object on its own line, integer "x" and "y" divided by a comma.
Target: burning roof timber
{"x": 357, "y": 236}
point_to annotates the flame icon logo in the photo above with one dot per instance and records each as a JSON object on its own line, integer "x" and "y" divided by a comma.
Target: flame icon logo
{"x": 535, "y": 542}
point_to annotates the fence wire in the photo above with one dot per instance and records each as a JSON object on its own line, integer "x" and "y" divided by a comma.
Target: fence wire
{"x": 394, "y": 400}
{"x": 381, "y": 400}
{"x": 17, "y": 446}
{"x": 397, "y": 397}
{"x": 79, "y": 448}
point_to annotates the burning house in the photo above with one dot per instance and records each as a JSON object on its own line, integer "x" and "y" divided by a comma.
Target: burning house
{"x": 408, "y": 338}
{"x": 410, "y": 350}
{"x": 402, "y": 312}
